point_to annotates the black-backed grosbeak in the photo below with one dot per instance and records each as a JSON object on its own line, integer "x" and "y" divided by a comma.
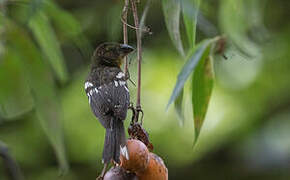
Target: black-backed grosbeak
{"x": 109, "y": 98}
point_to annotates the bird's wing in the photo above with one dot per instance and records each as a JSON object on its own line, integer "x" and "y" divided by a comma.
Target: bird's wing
{"x": 109, "y": 100}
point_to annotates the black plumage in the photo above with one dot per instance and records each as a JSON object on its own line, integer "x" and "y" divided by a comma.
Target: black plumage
{"x": 109, "y": 97}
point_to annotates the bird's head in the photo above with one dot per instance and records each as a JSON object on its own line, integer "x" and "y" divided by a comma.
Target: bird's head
{"x": 111, "y": 54}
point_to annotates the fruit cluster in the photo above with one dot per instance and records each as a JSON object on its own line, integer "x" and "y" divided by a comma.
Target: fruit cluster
{"x": 141, "y": 165}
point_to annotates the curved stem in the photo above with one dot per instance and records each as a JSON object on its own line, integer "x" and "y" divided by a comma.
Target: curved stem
{"x": 125, "y": 31}
{"x": 139, "y": 53}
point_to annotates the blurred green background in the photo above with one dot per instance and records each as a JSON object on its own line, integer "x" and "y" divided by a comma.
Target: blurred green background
{"x": 45, "y": 119}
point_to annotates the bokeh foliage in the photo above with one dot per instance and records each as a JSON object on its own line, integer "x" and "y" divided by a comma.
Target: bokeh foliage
{"x": 45, "y": 48}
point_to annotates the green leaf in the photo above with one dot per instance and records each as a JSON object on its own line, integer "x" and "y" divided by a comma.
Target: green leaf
{"x": 235, "y": 24}
{"x": 45, "y": 37}
{"x": 63, "y": 20}
{"x": 33, "y": 7}
{"x": 190, "y": 11}
{"x": 143, "y": 18}
{"x": 200, "y": 52}
{"x": 202, "y": 85}
{"x": 40, "y": 80}
{"x": 68, "y": 27}
{"x": 15, "y": 96}
{"x": 171, "y": 11}
{"x": 178, "y": 108}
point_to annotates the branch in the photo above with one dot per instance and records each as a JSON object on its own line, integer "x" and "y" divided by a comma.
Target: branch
{"x": 10, "y": 164}
{"x": 145, "y": 29}
{"x": 125, "y": 31}
{"x": 139, "y": 55}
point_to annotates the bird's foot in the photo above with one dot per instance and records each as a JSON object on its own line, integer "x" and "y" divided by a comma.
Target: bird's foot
{"x": 139, "y": 110}
{"x": 135, "y": 113}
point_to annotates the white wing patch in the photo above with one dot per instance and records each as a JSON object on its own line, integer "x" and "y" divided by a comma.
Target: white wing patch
{"x": 116, "y": 83}
{"x": 122, "y": 83}
{"x": 90, "y": 93}
{"x": 120, "y": 75}
{"x": 88, "y": 84}
{"x": 124, "y": 152}
{"x": 97, "y": 90}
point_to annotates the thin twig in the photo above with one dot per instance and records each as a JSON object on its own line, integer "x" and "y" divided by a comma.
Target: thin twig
{"x": 143, "y": 19}
{"x": 125, "y": 31}
{"x": 139, "y": 56}
{"x": 10, "y": 164}
{"x": 144, "y": 29}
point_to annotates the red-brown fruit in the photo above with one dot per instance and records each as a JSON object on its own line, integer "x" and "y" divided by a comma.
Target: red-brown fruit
{"x": 156, "y": 169}
{"x": 136, "y": 131}
{"x": 118, "y": 173}
{"x": 138, "y": 156}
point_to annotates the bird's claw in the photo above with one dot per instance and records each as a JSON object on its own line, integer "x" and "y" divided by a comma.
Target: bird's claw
{"x": 139, "y": 110}
{"x": 132, "y": 108}
{"x": 135, "y": 113}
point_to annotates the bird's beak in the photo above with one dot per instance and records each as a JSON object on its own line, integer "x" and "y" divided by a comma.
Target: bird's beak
{"x": 126, "y": 49}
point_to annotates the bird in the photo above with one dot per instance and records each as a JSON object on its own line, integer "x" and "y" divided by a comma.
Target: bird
{"x": 108, "y": 95}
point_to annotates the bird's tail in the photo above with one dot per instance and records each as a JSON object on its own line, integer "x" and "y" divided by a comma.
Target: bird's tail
{"x": 115, "y": 142}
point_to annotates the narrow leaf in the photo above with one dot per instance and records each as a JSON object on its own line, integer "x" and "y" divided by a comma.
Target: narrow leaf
{"x": 15, "y": 96}
{"x": 62, "y": 20}
{"x": 49, "y": 44}
{"x": 190, "y": 11}
{"x": 43, "y": 88}
{"x": 171, "y": 11}
{"x": 143, "y": 18}
{"x": 198, "y": 53}
{"x": 68, "y": 27}
{"x": 202, "y": 85}
{"x": 178, "y": 108}
{"x": 33, "y": 7}
{"x": 235, "y": 24}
